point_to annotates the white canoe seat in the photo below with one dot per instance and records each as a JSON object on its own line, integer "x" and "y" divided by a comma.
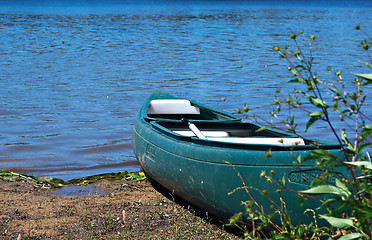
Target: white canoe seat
{"x": 260, "y": 140}
{"x": 172, "y": 106}
{"x": 205, "y": 133}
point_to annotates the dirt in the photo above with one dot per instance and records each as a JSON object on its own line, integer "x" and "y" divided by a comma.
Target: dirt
{"x": 104, "y": 210}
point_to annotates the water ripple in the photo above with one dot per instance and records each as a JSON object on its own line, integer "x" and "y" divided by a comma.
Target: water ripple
{"x": 72, "y": 81}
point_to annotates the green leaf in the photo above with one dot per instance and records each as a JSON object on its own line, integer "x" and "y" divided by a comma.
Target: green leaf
{"x": 367, "y": 76}
{"x": 294, "y": 71}
{"x": 351, "y": 236}
{"x": 292, "y": 119}
{"x": 315, "y": 114}
{"x": 368, "y": 64}
{"x": 299, "y": 159}
{"x": 299, "y": 57}
{"x": 366, "y": 164}
{"x": 315, "y": 101}
{"x": 311, "y": 121}
{"x": 326, "y": 189}
{"x": 297, "y": 80}
{"x": 320, "y": 154}
{"x": 335, "y": 90}
{"x": 262, "y": 129}
{"x": 365, "y": 132}
{"x": 347, "y": 142}
{"x": 319, "y": 190}
{"x": 342, "y": 187}
{"x": 328, "y": 202}
{"x": 291, "y": 99}
{"x": 338, "y": 222}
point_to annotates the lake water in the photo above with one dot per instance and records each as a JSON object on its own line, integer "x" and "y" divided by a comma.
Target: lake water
{"x": 74, "y": 74}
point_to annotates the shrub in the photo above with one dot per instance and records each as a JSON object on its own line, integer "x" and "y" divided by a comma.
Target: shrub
{"x": 348, "y": 201}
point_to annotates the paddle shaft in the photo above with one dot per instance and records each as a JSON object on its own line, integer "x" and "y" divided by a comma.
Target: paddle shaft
{"x": 194, "y": 129}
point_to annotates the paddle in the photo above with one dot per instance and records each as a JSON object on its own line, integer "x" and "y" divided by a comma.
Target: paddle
{"x": 193, "y": 128}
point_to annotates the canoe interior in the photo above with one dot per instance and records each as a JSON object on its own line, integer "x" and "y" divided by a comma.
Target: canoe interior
{"x": 240, "y": 135}
{"x": 232, "y": 129}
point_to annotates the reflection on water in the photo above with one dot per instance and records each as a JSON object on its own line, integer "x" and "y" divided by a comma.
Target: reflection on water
{"x": 73, "y": 78}
{"x": 80, "y": 190}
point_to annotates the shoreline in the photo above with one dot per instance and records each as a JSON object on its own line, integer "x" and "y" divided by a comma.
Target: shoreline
{"x": 119, "y": 209}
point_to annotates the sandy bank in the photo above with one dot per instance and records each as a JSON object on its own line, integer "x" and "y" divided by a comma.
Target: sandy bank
{"x": 105, "y": 210}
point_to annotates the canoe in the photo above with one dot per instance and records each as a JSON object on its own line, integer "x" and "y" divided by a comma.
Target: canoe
{"x": 220, "y": 170}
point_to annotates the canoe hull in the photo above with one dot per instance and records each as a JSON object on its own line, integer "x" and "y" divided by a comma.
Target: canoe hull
{"x": 197, "y": 174}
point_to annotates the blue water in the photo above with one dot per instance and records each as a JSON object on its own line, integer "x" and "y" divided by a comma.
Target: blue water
{"x": 73, "y": 74}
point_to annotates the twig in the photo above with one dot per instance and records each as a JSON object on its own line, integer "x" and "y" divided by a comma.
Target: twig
{"x": 124, "y": 218}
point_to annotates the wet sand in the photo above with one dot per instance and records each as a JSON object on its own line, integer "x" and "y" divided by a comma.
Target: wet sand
{"x": 103, "y": 210}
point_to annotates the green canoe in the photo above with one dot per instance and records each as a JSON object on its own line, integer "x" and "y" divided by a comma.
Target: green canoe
{"x": 211, "y": 171}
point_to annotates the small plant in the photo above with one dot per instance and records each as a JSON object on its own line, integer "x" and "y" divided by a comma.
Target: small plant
{"x": 160, "y": 201}
{"x": 348, "y": 201}
{"x": 161, "y": 214}
{"x": 50, "y": 182}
